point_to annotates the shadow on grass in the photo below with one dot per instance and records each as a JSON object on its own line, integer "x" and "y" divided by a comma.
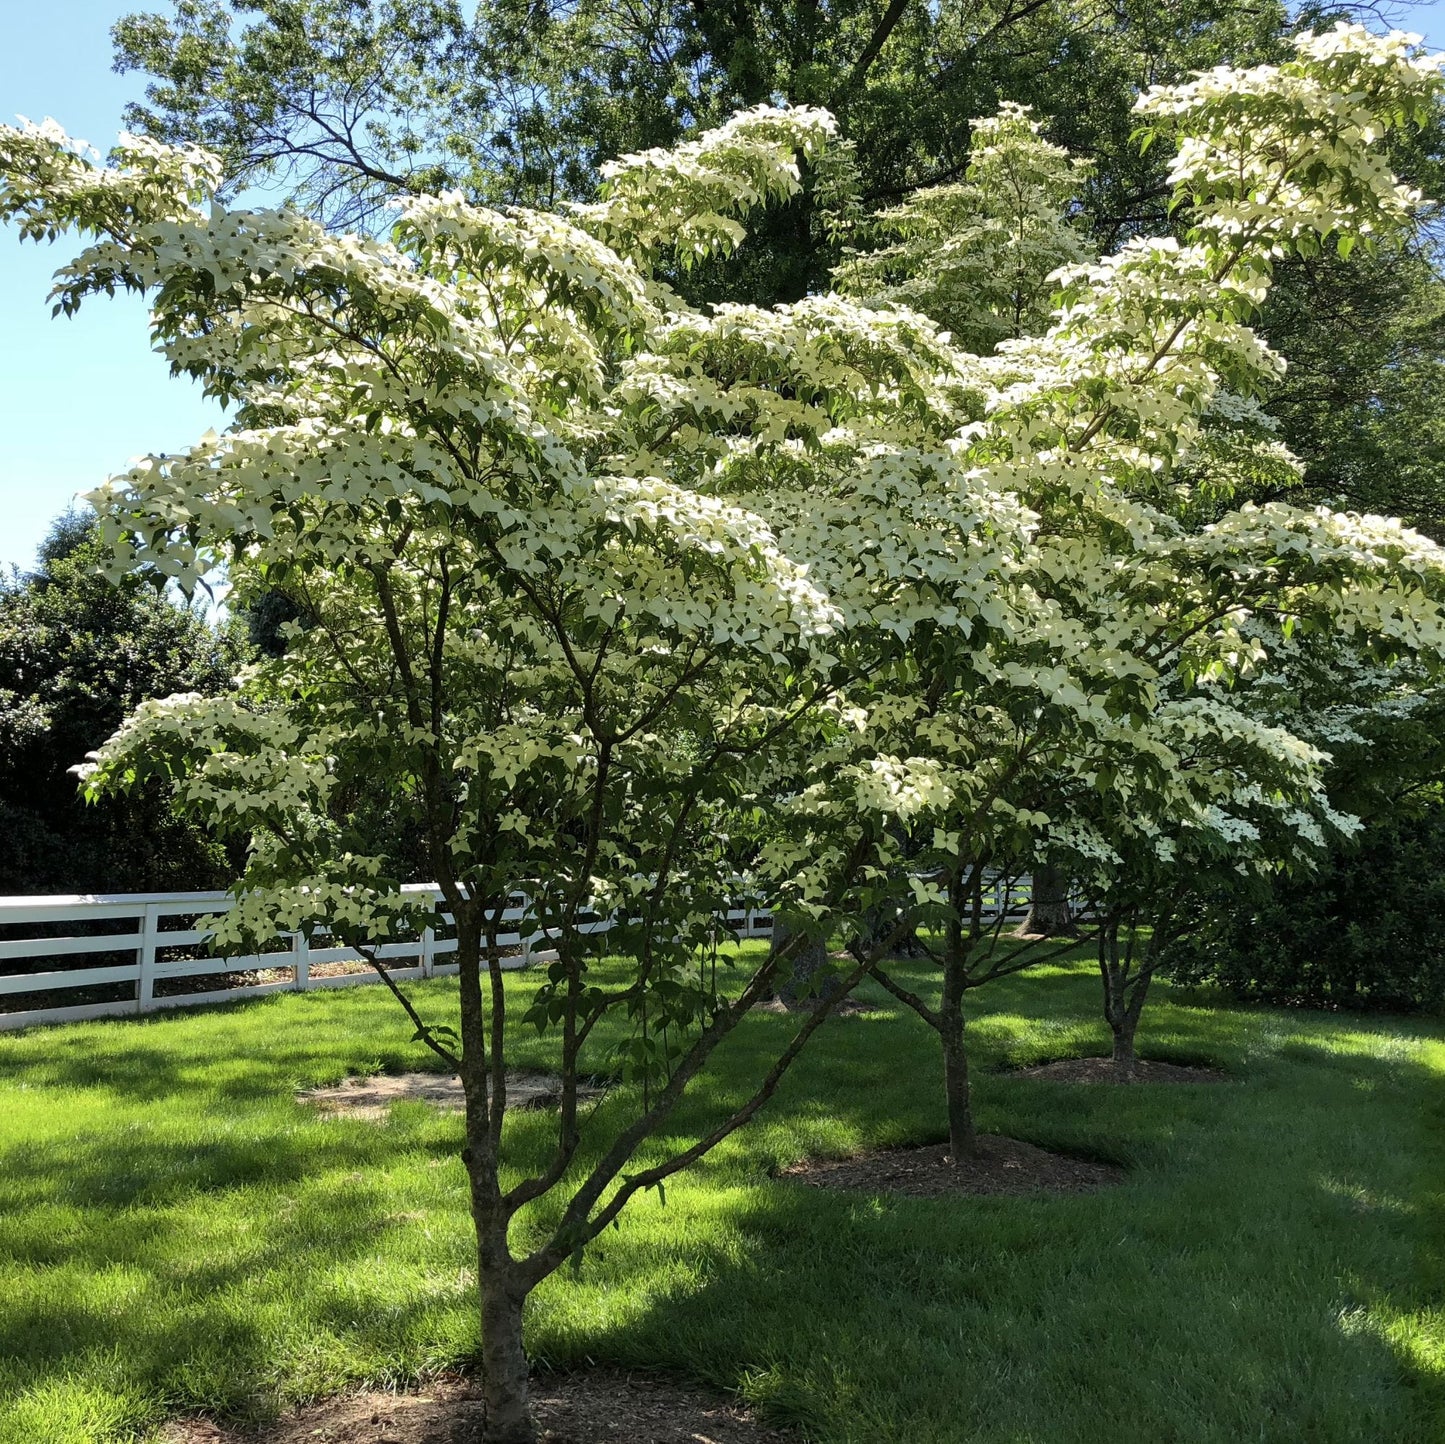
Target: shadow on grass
{"x": 1259, "y": 1277}
{"x": 184, "y": 1215}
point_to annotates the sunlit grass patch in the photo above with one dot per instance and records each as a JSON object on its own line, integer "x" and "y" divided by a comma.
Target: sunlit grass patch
{"x": 179, "y": 1233}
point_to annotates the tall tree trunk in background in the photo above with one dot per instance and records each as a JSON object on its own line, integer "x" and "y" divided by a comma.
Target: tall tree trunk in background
{"x": 801, "y": 985}
{"x": 1050, "y": 915}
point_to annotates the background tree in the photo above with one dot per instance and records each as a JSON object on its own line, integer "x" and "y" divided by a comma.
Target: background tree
{"x": 1361, "y": 401}
{"x": 1357, "y": 929}
{"x": 347, "y": 104}
{"x": 1361, "y": 930}
{"x": 78, "y": 653}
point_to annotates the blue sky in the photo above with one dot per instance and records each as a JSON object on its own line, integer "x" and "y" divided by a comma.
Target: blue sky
{"x": 80, "y": 397}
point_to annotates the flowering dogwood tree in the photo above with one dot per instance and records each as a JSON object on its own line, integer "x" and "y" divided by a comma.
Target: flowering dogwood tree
{"x": 581, "y": 572}
{"x": 507, "y": 479}
{"x": 1122, "y": 428}
{"x": 977, "y": 256}
{"x": 1236, "y": 798}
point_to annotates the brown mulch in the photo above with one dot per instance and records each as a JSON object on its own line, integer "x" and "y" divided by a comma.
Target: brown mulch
{"x": 599, "y": 1406}
{"x": 1101, "y": 1070}
{"x": 372, "y": 1097}
{"x": 1004, "y": 1165}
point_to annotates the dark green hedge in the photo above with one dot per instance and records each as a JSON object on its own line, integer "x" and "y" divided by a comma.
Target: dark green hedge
{"x": 1366, "y": 931}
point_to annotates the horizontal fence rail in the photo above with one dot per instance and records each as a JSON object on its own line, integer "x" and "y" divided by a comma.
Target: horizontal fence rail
{"x": 125, "y": 953}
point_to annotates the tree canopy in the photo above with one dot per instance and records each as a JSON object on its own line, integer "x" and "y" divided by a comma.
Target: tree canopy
{"x": 593, "y": 577}
{"x": 348, "y": 104}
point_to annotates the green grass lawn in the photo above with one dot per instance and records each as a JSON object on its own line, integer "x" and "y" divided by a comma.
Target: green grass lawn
{"x": 178, "y": 1233}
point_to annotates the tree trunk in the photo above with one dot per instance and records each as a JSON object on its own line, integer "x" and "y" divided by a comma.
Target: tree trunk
{"x": 504, "y": 1362}
{"x": 1124, "y": 997}
{"x": 1050, "y": 915}
{"x": 962, "y": 1136}
{"x": 1112, "y": 975}
{"x": 801, "y": 986}
{"x": 502, "y": 1296}
{"x": 501, "y": 1292}
{"x": 1125, "y": 1059}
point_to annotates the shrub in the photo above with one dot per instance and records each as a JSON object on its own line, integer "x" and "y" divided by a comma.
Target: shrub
{"x": 1365, "y": 931}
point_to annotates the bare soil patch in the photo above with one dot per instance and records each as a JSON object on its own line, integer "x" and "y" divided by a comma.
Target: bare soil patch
{"x": 1004, "y": 1166}
{"x": 599, "y": 1406}
{"x": 372, "y": 1097}
{"x": 847, "y": 1008}
{"x": 1101, "y": 1070}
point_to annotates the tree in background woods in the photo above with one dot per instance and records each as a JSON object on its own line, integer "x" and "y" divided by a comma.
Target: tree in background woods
{"x": 977, "y": 256}
{"x": 1362, "y": 930}
{"x": 1050, "y": 914}
{"x": 1363, "y": 401}
{"x": 78, "y": 653}
{"x": 518, "y": 102}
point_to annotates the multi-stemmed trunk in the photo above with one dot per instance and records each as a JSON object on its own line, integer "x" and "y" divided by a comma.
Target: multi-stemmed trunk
{"x": 1125, "y": 991}
{"x": 504, "y": 1282}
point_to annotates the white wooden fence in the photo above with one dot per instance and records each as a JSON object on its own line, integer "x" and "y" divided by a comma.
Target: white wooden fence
{"x": 149, "y": 941}
{"x": 146, "y": 943}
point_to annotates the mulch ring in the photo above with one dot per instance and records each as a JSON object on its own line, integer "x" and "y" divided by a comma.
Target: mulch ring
{"x": 1004, "y": 1166}
{"x": 1101, "y": 1070}
{"x": 599, "y": 1406}
{"x": 371, "y": 1098}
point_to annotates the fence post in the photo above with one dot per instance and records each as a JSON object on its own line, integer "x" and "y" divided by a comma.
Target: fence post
{"x": 146, "y": 957}
{"x": 301, "y": 952}
{"x": 428, "y": 961}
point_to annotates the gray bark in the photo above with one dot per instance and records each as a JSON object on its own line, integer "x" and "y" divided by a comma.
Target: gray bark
{"x": 1126, "y": 1061}
{"x": 802, "y": 985}
{"x": 504, "y": 1362}
{"x": 1050, "y": 915}
{"x": 501, "y": 1291}
{"x": 962, "y": 1135}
